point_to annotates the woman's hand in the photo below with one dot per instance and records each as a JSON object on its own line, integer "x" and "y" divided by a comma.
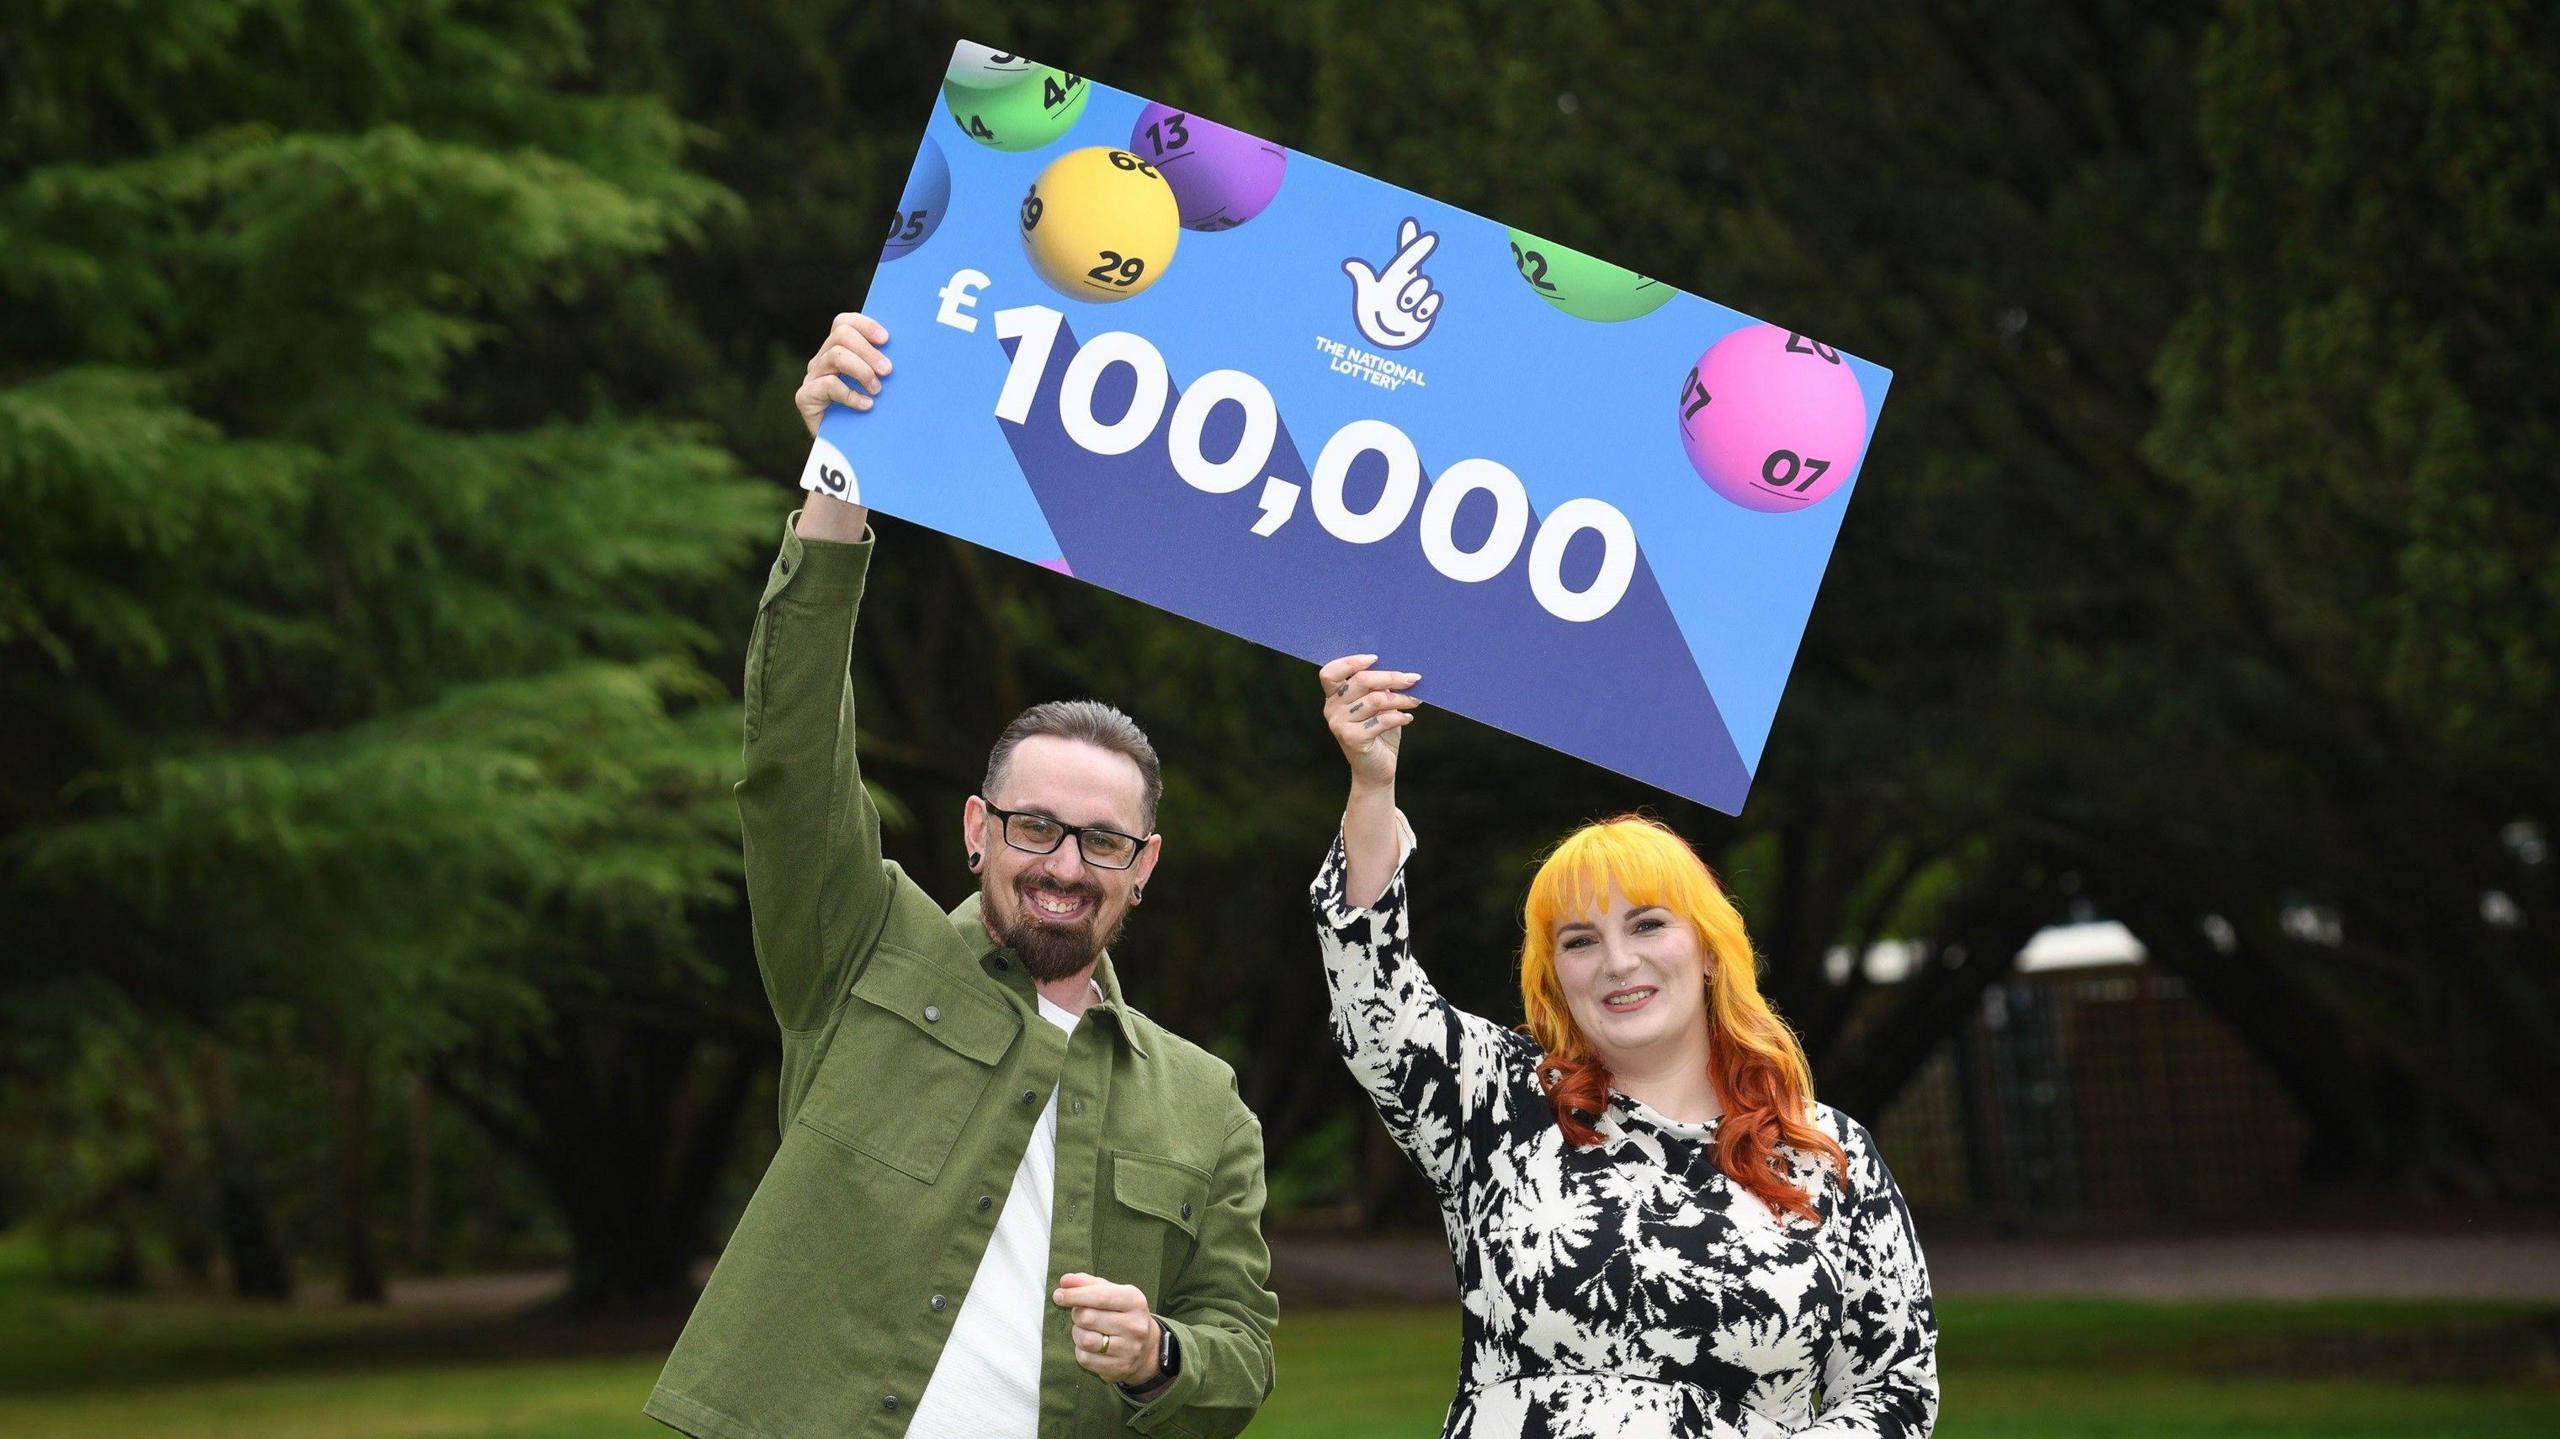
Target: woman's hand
{"x": 1367, "y": 710}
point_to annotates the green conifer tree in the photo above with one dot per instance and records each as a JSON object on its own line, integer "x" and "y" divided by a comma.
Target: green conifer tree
{"x": 341, "y": 678}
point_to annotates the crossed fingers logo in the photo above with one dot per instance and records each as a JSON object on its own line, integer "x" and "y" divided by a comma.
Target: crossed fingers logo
{"x": 1394, "y": 306}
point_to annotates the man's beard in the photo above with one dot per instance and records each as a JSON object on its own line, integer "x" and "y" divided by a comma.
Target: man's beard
{"x": 1053, "y": 951}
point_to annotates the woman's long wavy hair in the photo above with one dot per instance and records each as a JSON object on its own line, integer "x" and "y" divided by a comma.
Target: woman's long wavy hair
{"x": 1755, "y": 1061}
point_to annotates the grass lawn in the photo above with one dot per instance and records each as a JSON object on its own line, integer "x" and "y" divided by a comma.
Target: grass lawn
{"x": 73, "y": 1365}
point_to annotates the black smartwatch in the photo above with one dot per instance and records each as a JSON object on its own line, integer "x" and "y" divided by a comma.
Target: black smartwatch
{"x": 1168, "y": 1364}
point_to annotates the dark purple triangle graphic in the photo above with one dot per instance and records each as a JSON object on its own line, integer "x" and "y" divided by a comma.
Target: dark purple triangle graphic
{"x": 1129, "y": 523}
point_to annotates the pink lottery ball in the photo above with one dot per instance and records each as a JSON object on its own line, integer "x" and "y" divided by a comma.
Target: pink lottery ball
{"x": 1774, "y": 421}
{"x": 1220, "y": 177}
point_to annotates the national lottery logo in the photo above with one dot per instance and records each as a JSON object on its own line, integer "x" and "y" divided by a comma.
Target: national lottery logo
{"x": 1394, "y": 306}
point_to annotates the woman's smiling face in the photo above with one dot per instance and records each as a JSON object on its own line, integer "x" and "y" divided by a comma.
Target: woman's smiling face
{"x": 1634, "y": 978}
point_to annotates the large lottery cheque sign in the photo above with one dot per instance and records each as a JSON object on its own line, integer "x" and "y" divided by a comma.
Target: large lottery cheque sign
{"x": 1335, "y": 417}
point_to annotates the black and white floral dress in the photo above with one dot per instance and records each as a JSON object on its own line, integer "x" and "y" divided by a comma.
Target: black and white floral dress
{"x": 1629, "y": 1289}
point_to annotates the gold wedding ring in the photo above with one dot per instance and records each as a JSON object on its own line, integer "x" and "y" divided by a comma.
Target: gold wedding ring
{"x": 1106, "y": 1344}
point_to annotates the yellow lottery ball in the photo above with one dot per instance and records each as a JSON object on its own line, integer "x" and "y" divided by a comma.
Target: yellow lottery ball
{"x": 1100, "y": 224}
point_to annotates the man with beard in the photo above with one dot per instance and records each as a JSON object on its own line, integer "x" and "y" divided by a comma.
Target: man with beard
{"x": 1005, "y": 1203}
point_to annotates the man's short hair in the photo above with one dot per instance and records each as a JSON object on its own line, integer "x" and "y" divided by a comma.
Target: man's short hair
{"x": 1092, "y": 722}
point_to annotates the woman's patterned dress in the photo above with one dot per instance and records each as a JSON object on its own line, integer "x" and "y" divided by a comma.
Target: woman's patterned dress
{"x": 1629, "y": 1288}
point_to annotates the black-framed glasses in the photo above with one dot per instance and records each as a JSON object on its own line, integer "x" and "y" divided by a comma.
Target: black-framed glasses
{"x": 1039, "y": 834}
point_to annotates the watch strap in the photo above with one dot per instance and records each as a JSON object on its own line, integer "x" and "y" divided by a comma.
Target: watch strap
{"x": 1168, "y": 1364}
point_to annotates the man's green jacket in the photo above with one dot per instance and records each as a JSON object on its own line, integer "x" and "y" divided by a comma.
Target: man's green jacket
{"x": 914, "y": 1065}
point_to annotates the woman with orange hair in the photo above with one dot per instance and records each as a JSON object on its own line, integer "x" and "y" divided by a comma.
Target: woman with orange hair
{"x": 1658, "y": 1232}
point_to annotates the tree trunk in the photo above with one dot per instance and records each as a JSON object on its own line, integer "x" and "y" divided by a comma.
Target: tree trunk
{"x": 125, "y": 1272}
{"x": 259, "y": 1267}
{"x": 351, "y": 1081}
{"x": 426, "y": 1249}
{"x": 1869, "y": 1064}
{"x": 629, "y": 1126}
{"x": 189, "y": 1196}
{"x": 627, "y": 1254}
{"x": 2350, "y": 1128}
{"x": 1385, "y": 1174}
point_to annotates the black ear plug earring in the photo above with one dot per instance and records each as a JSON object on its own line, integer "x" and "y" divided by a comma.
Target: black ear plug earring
{"x": 973, "y": 861}
{"x": 1138, "y": 894}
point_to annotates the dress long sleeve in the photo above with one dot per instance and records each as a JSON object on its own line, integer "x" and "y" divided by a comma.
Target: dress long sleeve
{"x": 1880, "y": 1379}
{"x": 1437, "y": 1074}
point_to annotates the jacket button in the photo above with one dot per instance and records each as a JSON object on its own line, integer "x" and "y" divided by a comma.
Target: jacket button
{"x": 889, "y": 1402}
{"x": 1029, "y": 1095}
{"x": 986, "y": 1202}
{"x": 940, "y": 1304}
{"x": 1079, "y": 1106}
{"x": 1186, "y": 1211}
{"x": 932, "y": 1014}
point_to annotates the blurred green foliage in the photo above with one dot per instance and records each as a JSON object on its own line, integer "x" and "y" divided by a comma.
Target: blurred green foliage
{"x": 383, "y": 384}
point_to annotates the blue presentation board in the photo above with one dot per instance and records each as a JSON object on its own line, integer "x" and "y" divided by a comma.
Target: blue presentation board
{"x": 1334, "y": 416}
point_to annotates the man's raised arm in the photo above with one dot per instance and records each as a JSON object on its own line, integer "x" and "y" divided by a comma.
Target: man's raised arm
{"x": 815, "y": 886}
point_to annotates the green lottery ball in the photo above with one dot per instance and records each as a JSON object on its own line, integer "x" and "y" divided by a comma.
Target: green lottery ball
{"x": 1024, "y": 115}
{"x": 1580, "y": 285}
{"x": 983, "y": 67}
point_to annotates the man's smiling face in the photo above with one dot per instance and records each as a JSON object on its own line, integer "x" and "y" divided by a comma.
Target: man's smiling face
{"x": 1056, "y": 910}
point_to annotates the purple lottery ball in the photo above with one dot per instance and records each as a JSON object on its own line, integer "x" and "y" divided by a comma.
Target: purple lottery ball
{"x": 1220, "y": 177}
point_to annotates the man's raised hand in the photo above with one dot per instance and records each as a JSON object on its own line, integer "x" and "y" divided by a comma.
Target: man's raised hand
{"x": 847, "y": 369}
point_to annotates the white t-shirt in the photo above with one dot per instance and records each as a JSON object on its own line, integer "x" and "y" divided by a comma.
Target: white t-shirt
{"x": 986, "y": 1385}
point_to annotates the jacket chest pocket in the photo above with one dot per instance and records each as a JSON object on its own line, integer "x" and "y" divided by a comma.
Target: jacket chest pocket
{"x": 1158, "y": 1206}
{"x": 917, "y": 1052}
